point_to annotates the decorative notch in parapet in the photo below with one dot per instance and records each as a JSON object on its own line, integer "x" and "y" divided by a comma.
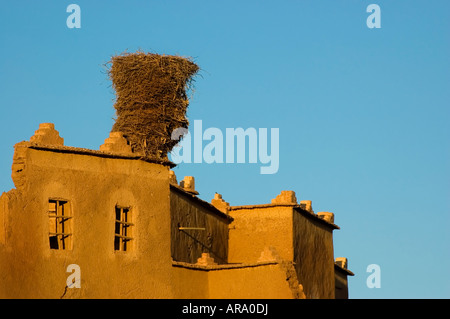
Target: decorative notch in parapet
{"x": 116, "y": 143}
{"x": 285, "y": 197}
{"x": 220, "y": 204}
{"x": 329, "y": 217}
{"x": 206, "y": 260}
{"x": 188, "y": 184}
{"x": 47, "y": 135}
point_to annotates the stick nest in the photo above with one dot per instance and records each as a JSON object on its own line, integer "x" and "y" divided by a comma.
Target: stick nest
{"x": 151, "y": 99}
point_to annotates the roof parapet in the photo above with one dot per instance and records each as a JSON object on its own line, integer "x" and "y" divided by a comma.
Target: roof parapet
{"x": 47, "y": 135}
{"x": 342, "y": 262}
{"x": 220, "y": 204}
{"x": 173, "y": 178}
{"x": 307, "y": 205}
{"x": 188, "y": 184}
{"x": 116, "y": 143}
{"x": 328, "y": 216}
{"x": 285, "y": 197}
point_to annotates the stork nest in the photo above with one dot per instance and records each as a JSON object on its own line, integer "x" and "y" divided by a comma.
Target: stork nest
{"x": 151, "y": 99}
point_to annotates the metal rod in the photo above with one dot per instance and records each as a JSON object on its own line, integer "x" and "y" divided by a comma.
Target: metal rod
{"x": 191, "y": 228}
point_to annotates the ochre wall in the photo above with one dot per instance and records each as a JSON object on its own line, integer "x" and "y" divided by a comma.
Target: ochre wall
{"x": 190, "y": 284}
{"x": 247, "y": 281}
{"x": 253, "y": 229}
{"x": 341, "y": 284}
{"x": 93, "y": 185}
{"x": 296, "y": 237}
{"x": 188, "y": 245}
{"x": 3, "y": 212}
{"x": 313, "y": 256}
{"x": 263, "y": 282}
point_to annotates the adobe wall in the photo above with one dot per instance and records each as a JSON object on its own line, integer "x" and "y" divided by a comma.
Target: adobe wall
{"x": 257, "y": 227}
{"x": 3, "y": 209}
{"x": 297, "y": 235}
{"x": 190, "y": 284}
{"x": 189, "y": 244}
{"x": 341, "y": 284}
{"x": 93, "y": 185}
{"x": 270, "y": 281}
{"x": 259, "y": 280}
{"x": 313, "y": 256}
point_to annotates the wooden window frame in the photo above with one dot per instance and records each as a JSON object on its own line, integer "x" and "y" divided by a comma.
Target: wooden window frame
{"x": 60, "y": 224}
{"x": 123, "y": 229}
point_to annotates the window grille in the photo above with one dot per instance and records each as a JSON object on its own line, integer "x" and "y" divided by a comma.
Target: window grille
{"x": 123, "y": 229}
{"x": 59, "y": 217}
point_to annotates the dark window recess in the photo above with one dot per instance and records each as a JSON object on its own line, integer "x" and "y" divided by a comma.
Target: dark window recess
{"x": 59, "y": 224}
{"x": 123, "y": 229}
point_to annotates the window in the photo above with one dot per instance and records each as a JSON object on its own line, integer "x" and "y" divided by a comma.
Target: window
{"x": 123, "y": 229}
{"x": 59, "y": 217}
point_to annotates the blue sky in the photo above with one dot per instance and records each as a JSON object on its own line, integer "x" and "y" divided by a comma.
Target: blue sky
{"x": 363, "y": 113}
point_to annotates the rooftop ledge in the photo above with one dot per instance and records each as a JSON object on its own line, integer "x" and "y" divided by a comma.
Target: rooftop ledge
{"x": 296, "y": 207}
{"x": 344, "y": 270}
{"x": 221, "y": 266}
{"x": 84, "y": 151}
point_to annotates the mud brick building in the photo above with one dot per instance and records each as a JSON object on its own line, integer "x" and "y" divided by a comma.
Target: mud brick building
{"x": 136, "y": 232}
{"x": 121, "y": 217}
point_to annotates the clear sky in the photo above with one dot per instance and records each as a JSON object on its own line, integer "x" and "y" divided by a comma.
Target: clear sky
{"x": 362, "y": 113}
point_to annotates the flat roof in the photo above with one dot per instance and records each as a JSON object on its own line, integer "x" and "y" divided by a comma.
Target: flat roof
{"x": 296, "y": 207}
{"x": 85, "y": 151}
